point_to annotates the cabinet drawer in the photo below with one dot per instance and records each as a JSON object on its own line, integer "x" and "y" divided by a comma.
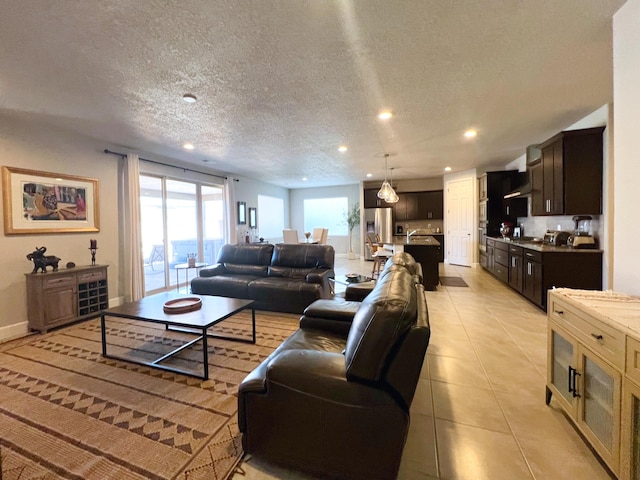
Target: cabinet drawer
{"x": 501, "y": 272}
{"x": 59, "y": 281}
{"x": 515, "y": 250}
{"x": 599, "y": 337}
{"x": 632, "y": 368}
{"x": 502, "y": 246}
{"x": 92, "y": 276}
{"x": 501, "y": 257}
{"x": 533, "y": 255}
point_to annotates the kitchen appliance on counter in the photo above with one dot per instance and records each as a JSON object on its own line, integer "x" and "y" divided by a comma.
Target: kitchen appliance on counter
{"x": 581, "y": 237}
{"x": 555, "y": 238}
{"x": 506, "y": 229}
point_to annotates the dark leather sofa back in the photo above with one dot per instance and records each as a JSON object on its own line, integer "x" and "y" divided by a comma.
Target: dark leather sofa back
{"x": 380, "y": 323}
{"x": 246, "y": 259}
{"x": 297, "y": 261}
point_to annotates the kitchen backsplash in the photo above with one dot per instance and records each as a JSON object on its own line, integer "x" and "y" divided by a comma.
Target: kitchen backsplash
{"x": 427, "y": 225}
{"x": 537, "y": 226}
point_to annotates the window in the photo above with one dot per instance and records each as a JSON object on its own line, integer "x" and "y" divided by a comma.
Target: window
{"x": 270, "y": 216}
{"x": 326, "y": 213}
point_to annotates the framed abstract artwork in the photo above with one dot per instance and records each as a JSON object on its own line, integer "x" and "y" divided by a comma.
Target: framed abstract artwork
{"x": 44, "y": 202}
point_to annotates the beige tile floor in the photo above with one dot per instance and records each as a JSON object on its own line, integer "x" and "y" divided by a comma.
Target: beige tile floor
{"x": 479, "y": 410}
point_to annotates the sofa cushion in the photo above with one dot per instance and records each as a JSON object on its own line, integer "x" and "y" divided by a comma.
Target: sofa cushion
{"x": 226, "y": 285}
{"x": 383, "y": 318}
{"x": 245, "y": 254}
{"x": 302, "y": 256}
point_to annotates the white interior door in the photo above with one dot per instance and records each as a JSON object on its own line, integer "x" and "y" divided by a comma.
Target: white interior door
{"x": 460, "y": 221}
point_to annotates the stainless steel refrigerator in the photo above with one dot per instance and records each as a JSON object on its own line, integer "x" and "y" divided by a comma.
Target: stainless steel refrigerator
{"x": 379, "y": 222}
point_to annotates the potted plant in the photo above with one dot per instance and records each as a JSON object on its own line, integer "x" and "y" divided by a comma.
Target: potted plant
{"x": 352, "y": 219}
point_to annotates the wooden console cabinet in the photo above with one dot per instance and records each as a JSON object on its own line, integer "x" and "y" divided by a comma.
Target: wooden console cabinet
{"x": 593, "y": 371}
{"x": 57, "y": 298}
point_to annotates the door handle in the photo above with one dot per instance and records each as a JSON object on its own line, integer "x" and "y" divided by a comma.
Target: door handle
{"x": 570, "y": 379}
{"x": 596, "y": 336}
{"x": 575, "y": 387}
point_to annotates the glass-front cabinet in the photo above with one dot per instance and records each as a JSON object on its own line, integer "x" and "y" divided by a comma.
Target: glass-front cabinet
{"x": 630, "y": 447}
{"x": 588, "y": 389}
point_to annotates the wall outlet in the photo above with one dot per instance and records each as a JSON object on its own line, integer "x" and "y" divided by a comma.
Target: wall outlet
{"x": 428, "y": 225}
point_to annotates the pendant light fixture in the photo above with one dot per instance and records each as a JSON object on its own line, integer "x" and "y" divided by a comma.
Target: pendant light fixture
{"x": 385, "y": 189}
{"x": 393, "y": 196}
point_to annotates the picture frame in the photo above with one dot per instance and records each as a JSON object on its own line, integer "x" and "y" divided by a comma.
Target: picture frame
{"x": 253, "y": 219}
{"x": 36, "y": 202}
{"x": 242, "y": 213}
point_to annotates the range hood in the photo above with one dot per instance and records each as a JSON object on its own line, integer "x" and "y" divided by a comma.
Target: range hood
{"x": 524, "y": 188}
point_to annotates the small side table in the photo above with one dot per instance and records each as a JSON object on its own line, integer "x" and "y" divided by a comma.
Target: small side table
{"x": 185, "y": 266}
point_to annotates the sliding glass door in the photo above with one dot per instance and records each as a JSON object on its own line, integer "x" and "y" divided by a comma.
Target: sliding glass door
{"x": 179, "y": 219}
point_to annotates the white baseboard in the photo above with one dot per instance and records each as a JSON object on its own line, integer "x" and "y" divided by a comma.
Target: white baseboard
{"x": 11, "y": 332}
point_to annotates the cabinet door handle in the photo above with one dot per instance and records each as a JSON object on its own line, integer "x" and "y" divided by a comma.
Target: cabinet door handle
{"x": 529, "y": 268}
{"x": 570, "y": 378}
{"x": 574, "y": 391}
{"x": 507, "y": 210}
{"x": 597, "y": 336}
{"x": 558, "y": 312}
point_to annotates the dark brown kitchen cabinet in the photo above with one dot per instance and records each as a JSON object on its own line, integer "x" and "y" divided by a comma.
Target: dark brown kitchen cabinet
{"x": 515, "y": 267}
{"x": 400, "y": 208}
{"x": 419, "y": 206}
{"x": 431, "y": 204}
{"x": 371, "y": 199}
{"x": 501, "y": 261}
{"x": 491, "y": 243}
{"x": 532, "y": 272}
{"x": 532, "y": 277}
{"x": 568, "y": 178}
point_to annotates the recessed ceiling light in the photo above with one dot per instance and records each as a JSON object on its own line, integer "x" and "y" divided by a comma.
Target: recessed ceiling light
{"x": 189, "y": 98}
{"x": 447, "y": 169}
{"x": 386, "y": 115}
{"x": 342, "y": 148}
{"x": 369, "y": 175}
{"x": 304, "y": 179}
{"x": 188, "y": 146}
{"x": 470, "y": 133}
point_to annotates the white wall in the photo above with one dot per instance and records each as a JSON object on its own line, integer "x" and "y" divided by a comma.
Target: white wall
{"x": 247, "y": 190}
{"x": 38, "y": 147}
{"x": 626, "y": 195}
{"x": 339, "y": 242}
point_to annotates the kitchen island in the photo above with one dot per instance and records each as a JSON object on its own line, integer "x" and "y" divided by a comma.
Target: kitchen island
{"x": 427, "y": 252}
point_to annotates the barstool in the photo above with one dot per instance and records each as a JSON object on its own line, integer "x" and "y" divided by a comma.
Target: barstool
{"x": 380, "y": 257}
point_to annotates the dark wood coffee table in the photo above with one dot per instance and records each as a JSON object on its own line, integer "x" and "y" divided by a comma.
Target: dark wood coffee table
{"x": 150, "y": 309}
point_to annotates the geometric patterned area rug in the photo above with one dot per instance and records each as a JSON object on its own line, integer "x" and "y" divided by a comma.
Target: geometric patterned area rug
{"x": 453, "y": 282}
{"x": 68, "y": 413}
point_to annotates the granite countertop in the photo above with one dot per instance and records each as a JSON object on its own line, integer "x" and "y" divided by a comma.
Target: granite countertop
{"x": 619, "y": 310}
{"x": 426, "y": 240}
{"x": 541, "y": 247}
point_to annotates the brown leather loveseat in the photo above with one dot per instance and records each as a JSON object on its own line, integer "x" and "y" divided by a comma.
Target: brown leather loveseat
{"x": 282, "y": 277}
{"x": 337, "y": 404}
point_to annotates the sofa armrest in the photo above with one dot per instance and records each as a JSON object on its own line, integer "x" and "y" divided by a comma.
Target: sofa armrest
{"x": 212, "y": 271}
{"x": 321, "y": 277}
{"x": 321, "y": 375}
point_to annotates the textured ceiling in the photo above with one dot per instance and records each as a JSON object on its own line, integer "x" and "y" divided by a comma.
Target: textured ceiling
{"x": 281, "y": 84}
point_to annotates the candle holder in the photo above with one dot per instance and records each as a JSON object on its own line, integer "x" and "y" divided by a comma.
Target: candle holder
{"x": 93, "y": 254}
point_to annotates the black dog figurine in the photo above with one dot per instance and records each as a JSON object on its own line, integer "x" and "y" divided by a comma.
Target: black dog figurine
{"x": 42, "y": 261}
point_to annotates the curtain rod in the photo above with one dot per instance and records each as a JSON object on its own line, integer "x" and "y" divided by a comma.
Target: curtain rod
{"x": 123, "y": 155}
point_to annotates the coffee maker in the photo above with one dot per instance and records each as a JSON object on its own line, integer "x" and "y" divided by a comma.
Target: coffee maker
{"x": 581, "y": 237}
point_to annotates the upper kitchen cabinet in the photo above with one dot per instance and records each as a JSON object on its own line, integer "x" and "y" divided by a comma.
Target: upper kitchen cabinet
{"x": 419, "y": 206}
{"x": 567, "y": 180}
{"x": 431, "y": 204}
{"x": 371, "y": 199}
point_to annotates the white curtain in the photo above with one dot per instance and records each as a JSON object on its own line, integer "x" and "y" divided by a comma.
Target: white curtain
{"x": 232, "y": 215}
{"x": 133, "y": 270}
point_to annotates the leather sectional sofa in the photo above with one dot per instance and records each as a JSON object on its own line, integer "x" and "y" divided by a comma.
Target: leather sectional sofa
{"x": 334, "y": 398}
{"x": 282, "y": 277}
